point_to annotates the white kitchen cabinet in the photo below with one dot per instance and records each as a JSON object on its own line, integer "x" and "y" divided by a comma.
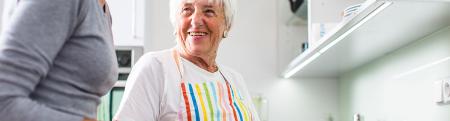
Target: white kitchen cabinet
{"x": 1, "y": 13}
{"x": 128, "y": 21}
{"x": 382, "y": 27}
{"x": 292, "y": 32}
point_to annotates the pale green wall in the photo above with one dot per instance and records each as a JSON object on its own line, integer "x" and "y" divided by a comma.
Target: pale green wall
{"x": 388, "y": 89}
{"x": 108, "y": 106}
{"x": 117, "y": 97}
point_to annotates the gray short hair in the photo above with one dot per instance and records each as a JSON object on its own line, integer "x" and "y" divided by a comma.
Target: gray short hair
{"x": 229, "y": 8}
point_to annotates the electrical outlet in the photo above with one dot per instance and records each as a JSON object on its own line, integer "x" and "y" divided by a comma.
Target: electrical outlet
{"x": 438, "y": 91}
{"x": 446, "y": 91}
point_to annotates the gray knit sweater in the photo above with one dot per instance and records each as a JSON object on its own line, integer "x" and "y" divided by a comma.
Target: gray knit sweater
{"x": 56, "y": 60}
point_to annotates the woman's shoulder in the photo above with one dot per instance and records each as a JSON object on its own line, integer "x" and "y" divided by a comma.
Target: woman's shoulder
{"x": 155, "y": 56}
{"x": 233, "y": 76}
{"x": 230, "y": 72}
{"x": 151, "y": 63}
{"x": 152, "y": 60}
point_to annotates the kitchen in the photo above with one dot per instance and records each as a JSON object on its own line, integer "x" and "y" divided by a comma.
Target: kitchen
{"x": 386, "y": 60}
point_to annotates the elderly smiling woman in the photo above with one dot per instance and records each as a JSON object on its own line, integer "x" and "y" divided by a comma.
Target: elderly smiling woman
{"x": 185, "y": 83}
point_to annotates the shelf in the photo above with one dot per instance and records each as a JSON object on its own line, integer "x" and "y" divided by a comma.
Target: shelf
{"x": 120, "y": 84}
{"x": 382, "y": 27}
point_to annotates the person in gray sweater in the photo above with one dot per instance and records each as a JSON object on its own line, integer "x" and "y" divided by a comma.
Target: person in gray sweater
{"x": 56, "y": 60}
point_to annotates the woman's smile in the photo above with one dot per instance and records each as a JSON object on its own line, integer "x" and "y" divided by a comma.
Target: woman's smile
{"x": 197, "y": 36}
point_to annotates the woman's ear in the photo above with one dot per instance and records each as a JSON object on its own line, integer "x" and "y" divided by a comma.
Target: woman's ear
{"x": 225, "y": 34}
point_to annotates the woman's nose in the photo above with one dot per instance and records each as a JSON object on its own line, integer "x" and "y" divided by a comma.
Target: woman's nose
{"x": 197, "y": 19}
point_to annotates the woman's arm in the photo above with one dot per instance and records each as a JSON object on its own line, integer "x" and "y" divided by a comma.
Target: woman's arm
{"x": 36, "y": 32}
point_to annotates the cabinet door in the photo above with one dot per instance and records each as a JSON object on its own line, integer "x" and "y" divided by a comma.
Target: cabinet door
{"x": 1, "y": 13}
{"x": 127, "y": 25}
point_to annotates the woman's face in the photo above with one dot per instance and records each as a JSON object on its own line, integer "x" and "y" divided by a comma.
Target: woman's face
{"x": 200, "y": 26}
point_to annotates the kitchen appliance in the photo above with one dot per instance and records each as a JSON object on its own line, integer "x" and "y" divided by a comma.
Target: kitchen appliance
{"x": 299, "y": 8}
{"x": 127, "y": 56}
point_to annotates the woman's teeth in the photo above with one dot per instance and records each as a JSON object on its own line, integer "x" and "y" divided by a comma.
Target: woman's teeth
{"x": 197, "y": 33}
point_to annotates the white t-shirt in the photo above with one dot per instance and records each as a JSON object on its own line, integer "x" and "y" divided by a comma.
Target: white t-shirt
{"x": 156, "y": 92}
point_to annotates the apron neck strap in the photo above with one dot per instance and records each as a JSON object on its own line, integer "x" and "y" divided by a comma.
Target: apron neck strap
{"x": 176, "y": 58}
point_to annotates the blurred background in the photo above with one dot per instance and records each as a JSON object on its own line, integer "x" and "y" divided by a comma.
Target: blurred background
{"x": 314, "y": 60}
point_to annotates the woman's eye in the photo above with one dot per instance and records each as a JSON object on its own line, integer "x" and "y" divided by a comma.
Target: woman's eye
{"x": 186, "y": 11}
{"x": 210, "y": 12}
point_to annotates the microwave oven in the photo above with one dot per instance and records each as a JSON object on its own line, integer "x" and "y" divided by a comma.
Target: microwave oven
{"x": 127, "y": 56}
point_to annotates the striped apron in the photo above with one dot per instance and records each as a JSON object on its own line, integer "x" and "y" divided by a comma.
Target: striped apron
{"x": 211, "y": 100}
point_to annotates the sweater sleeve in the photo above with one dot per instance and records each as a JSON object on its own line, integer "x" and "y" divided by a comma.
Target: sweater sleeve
{"x": 141, "y": 100}
{"x": 36, "y": 32}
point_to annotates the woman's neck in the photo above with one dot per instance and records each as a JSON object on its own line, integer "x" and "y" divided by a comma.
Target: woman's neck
{"x": 206, "y": 62}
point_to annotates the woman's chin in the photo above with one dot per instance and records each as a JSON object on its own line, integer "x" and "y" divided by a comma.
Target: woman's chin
{"x": 197, "y": 39}
{"x": 198, "y": 51}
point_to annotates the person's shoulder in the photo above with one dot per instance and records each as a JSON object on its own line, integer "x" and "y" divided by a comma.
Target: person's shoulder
{"x": 154, "y": 57}
{"x": 233, "y": 76}
{"x": 230, "y": 72}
